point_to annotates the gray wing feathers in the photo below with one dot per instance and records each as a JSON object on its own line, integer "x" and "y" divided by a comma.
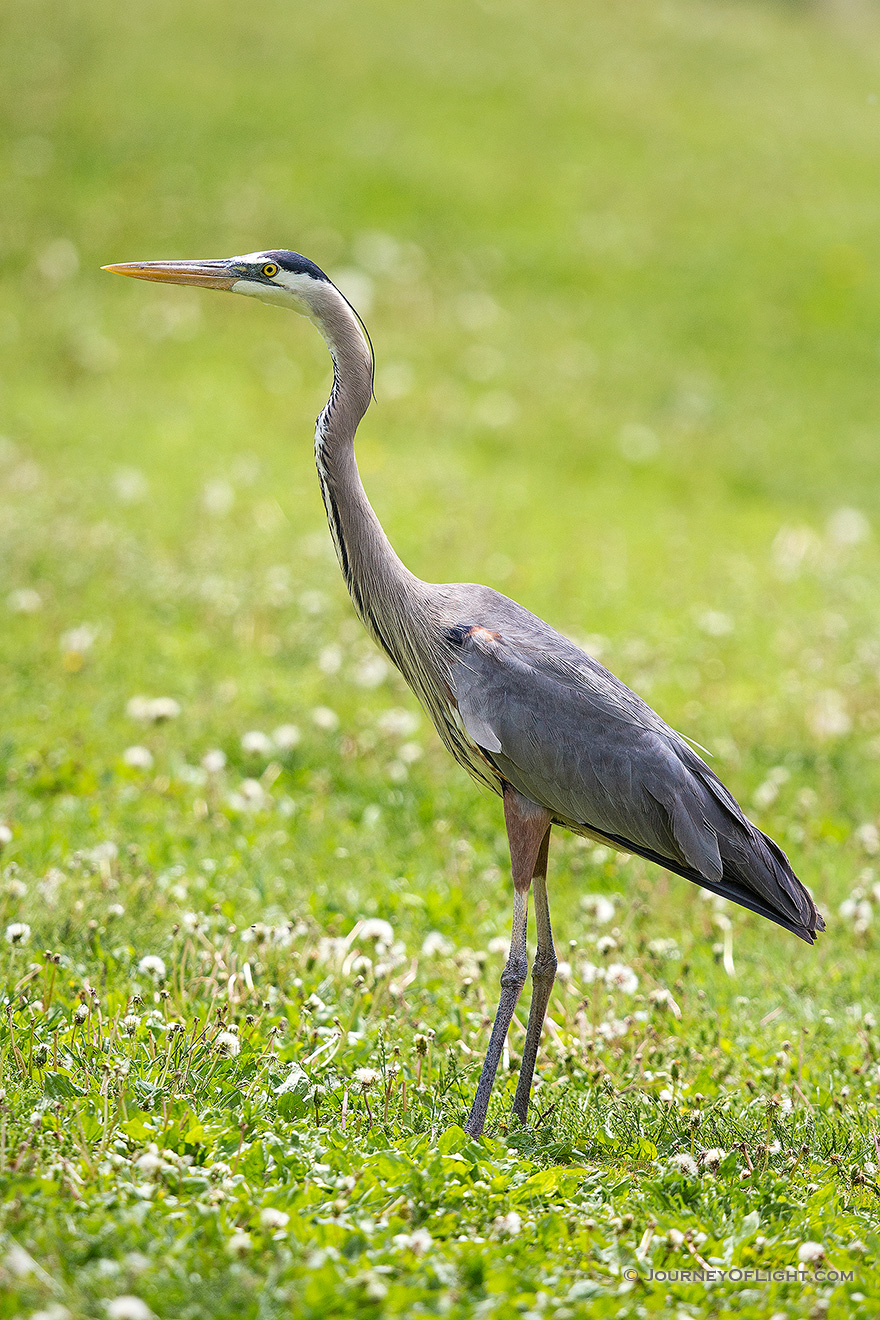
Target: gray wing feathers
{"x": 574, "y": 739}
{"x": 474, "y": 701}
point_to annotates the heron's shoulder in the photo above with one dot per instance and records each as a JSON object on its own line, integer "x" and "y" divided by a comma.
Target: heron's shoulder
{"x": 469, "y": 605}
{"x": 484, "y": 607}
{"x": 479, "y": 619}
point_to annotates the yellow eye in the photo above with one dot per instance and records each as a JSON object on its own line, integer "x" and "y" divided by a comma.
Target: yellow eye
{"x": 270, "y": 270}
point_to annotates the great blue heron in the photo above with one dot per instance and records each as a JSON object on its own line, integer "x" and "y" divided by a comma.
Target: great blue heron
{"x": 523, "y": 709}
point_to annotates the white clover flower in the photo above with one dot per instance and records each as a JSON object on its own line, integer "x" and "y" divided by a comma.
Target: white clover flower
{"x": 24, "y": 601}
{"x": 613, "y": 1028}
{"x": 313, "y": 602}
{"x": 130, "y": 485}
{"x": 115, "y": 910}
{"x": 685, "y": 1163}
{"x": 325, "y": 718}
{"x": 272, "y": 1218}
{"x": 666, "y": 1096}
{"x": 605, "y": 943}
{"x": 150, "y": 1162}
{"x": 227, "y": 1044}
{"x": 810, "y": 1253}
{"x": 286, "y": 737}
{"x": 151, "y": 965}
{"x": 589, "y": 973}
{"x": 398, "y": 722}
{"x": 330, "y": 949}
{"x": 829, "y": 717}
{"x": 366, "y": 1077}
{"x": 152, "y": 710}
{"x": 663, "y": 999}
{"x": 5, "y": 835}
{"x": 858, "y": 910}
{"x": 715, "y": 623}
{"x": 128, "y": 1308}
{"x": 623, "y": 978}
{"x": 251, "y": 796}
{"x": 511, "y": 1223}
{"x": 869, "y": 837}
{"x": 600, "y": 908}
{"x": 330, "y": 659}
{"x": 848, "y": 526}
{"x": 417, "y": 1242}
{"x": 214, "y": 761}
{"x": 104, "y": 852}
{"x": 129, "y": 1025}
{"x": 663, "y": 948}
{"x": 710, "y": 1159}
{"x": 435, "y": 945}
{"x": 139, "y": 758}
{"x": 256, "y": 743}
{"x": 377, "y": 929}
{"x": 164, "y": 708}
{"x": 18, "y": 932}
{"x": 80, "y": 1013}
{"x": 498, "y": 944}
{"x": 793, "y": 547}
{"x": 218, "y": 497}
{"x": 78, "y": 640}
{"x": 371, "y": 672}
{"x": 765, "y": 794}
{"x": 238, "y": 1244}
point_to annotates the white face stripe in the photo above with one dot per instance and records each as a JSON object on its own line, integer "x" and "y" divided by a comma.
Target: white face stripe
{"x": 288, "y": 288}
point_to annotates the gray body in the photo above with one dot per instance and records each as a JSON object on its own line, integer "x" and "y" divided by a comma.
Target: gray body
{"x": 519, "y": 704}
{"x": 522, "y": 708}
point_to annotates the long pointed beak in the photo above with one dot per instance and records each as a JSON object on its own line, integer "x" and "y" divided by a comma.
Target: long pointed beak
{"x": 209, "y": 274}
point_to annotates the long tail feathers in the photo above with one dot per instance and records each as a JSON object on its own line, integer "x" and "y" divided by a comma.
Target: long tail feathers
{"x": 757, "y": 875}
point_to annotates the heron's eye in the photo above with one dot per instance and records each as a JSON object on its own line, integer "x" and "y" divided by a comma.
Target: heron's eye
{"x": 270, "y": 270}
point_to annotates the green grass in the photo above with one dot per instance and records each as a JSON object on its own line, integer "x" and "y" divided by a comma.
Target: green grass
{"x": 624, "y": 274}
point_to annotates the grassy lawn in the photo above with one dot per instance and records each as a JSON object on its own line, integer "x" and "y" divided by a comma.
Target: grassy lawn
{"x": 620, "y": 265}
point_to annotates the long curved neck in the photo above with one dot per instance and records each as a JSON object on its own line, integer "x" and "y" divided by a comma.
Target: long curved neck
{"x": 377, "y": 580}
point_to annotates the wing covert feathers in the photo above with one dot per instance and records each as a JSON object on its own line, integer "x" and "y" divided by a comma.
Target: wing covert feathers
{"x": 573, "y": 738}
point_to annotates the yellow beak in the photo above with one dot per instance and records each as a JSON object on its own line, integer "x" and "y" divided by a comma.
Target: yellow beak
{"x": 208, "y": 274}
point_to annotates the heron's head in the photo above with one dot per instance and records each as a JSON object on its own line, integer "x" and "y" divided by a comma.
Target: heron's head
{"x": 278, "y": 276}
{"x": 281, "y": 277}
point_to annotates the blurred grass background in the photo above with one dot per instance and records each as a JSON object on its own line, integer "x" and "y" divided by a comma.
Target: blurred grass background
{"x": 620, "y": 266}
{"x": 620, "y": 269}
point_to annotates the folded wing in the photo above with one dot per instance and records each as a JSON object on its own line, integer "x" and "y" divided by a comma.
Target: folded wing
{"x": 574, "y": 739}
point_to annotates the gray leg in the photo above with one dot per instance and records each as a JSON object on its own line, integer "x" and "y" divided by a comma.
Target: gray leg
{"x": 543, "y": 976}
{"x": 527, "y": 828}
